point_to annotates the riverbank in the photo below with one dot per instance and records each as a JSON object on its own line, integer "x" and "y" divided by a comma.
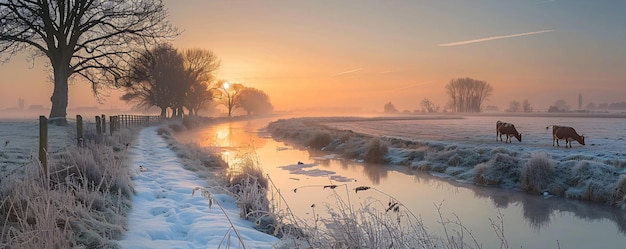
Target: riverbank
{"x": 461, "y": 153}
{"x": 175, "y": 207}
{"x": 90, "y": 187}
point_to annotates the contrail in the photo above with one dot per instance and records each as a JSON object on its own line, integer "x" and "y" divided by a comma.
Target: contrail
{"x": 347, "y": 72}
{"x": 413, "y": 85}
{"x": 493, "y": 38}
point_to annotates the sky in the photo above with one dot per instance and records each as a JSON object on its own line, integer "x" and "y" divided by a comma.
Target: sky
{"x": 363, "y": 54}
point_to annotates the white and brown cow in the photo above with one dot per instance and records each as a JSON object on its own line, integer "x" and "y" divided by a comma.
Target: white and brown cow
{"x": 508, "y": 129}
{"x": 566, "y": 133}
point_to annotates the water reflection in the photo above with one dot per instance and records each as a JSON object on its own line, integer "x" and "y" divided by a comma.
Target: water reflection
{"x": 537, "y": 212}
{"x": 229, "y": 136}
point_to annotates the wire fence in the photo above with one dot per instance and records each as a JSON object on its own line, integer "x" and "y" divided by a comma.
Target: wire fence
{"x": 115, "y": 123}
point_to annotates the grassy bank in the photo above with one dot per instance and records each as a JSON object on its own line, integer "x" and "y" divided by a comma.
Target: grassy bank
{"x": 580, "y": 177}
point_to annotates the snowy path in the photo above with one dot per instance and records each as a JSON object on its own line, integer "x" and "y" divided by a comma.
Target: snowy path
{"x": 164, "y": 213}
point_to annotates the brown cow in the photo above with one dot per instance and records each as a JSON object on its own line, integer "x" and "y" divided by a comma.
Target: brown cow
{"x": 507, "y": 129}
{"x": 498, "y": 135}
{"x": 567, "y": 133}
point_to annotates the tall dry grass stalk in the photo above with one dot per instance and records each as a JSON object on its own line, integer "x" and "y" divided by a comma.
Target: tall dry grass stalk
{"x": 376, "y": 151}
{"x": 83, "y": 203}
{"x": 371, "y": 224}
{"x": 248, "y": 183}
{"x": 206, "y": 194}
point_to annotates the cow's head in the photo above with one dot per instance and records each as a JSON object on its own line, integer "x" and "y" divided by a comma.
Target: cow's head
{"x": 518, "y": 136}
{"x": 582, "y": 140}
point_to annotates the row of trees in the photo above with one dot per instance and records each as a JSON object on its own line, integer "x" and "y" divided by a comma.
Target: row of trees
{"x": 102, "y": 43}
{"x": 466, "y": 95}
{"x": 516, "y": 106}
{"x": 92, "y": 39}
{"x": 166, "y": 78}
{"x": 186, "y": 80}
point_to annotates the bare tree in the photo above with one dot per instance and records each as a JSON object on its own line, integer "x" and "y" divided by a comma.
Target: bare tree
{"x": 429, "y": 105}
{"x": 467, "y": 94}
{"x": 94, "y": 39}
{"x": 514, "y": 106}
{"x": 253, "y": 100}
{"x": 153, "y": 78}
{"x": 201, "y": 66}
{"x": 526, "y": 106}
{"x": 228, "y": 95}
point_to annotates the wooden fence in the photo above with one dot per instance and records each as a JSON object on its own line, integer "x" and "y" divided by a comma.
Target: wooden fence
{"x": 115, "y": 123}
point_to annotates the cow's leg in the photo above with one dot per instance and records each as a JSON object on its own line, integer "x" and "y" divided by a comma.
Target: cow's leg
{"x": 557, "y": 142}
{"x": 568, "y": 141}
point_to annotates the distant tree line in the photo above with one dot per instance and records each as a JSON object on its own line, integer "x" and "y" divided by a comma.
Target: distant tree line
{"x": 466, "y": 95}
{"x": 559, "y": 106}
{"x": 186, "y": 80}
{"x": 616, "y": 106}
{"x": 516, "y": 106}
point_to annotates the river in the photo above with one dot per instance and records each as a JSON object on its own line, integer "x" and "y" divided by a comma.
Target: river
{"x": 529, "y": 221}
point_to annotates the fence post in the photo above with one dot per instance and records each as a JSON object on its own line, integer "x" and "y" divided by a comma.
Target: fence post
{"x": 43, "y": 144}
{"x": 98, "y": 125}
{"x": 104, "y": 124}
{"x": 79, "y": 130}
{"x": 112, "y": 124}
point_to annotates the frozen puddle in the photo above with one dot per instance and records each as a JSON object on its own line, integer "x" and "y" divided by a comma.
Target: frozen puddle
{"x": 166, "y": 215}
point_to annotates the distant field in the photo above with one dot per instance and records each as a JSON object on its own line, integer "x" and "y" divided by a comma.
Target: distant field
{"x": 19, "y": 141}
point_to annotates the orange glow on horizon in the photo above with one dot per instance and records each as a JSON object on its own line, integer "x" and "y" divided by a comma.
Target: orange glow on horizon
{"x": 341, "y": 55}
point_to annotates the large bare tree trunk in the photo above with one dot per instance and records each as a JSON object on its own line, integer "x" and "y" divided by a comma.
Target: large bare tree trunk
{"x": 164, "y": 112}
{"x": 59, "y": 99}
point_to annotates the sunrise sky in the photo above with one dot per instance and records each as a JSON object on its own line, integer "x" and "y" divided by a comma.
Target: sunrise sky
{"x": 363, "y": 54}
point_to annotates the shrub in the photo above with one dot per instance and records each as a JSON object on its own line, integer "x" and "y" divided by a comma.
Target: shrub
{"x": 537, "y": 173}
{"x": 319, "y": 140}
{"x": 503, "y": 168}
{"x": 619, "y": 192}
{"x": 249, "y": 185}
{"x": 375, "y": 151}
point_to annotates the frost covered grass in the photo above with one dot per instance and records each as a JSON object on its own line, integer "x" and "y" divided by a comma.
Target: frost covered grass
{"x": 371, "y": 223}
{"x": 469, "y": 154}
{"x": 249, "y": 185}
{"x": 538, "y": 173}
{"x": 82, "y": 204}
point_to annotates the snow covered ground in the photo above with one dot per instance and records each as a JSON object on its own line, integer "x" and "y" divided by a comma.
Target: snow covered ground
{"x": 19, "y": 140}
{"x": 166, "y": 215}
